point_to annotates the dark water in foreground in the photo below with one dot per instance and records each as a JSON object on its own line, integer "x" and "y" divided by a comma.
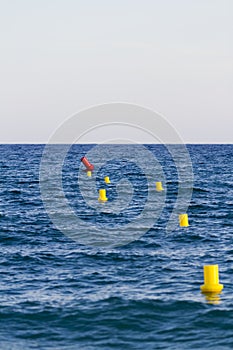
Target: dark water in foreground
{"x": 58, "y": 294}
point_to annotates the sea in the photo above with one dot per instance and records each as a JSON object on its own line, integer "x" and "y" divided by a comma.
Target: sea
{"x": 78, "y": 273}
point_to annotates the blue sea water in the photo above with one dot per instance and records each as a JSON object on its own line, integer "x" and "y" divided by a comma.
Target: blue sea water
{"x": 56, "y": 293}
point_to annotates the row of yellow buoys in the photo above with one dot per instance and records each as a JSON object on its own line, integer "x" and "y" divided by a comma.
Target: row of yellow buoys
{"x": 211, "y": 275}
{"x": 211, "y": 286}
{"x": 102, "y": 191}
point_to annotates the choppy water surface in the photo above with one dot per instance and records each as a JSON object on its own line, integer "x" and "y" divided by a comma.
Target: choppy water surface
{"x": 59, "y": 294}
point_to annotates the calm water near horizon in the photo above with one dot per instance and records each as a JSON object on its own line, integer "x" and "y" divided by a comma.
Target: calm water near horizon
{"x": 59, "y": 294}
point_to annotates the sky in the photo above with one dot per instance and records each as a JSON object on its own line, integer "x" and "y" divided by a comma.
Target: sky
{"x": 62, "y": 56}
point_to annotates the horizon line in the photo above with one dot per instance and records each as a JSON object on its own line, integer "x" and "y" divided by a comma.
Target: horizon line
{"x": 97, "y": 143}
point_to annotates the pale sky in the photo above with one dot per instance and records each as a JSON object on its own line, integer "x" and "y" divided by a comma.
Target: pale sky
{"x": 61, "y": 56}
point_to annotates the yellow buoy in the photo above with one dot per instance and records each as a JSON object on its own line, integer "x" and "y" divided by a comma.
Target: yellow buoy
{"x": 183, "y": 218}
{"x": 107, "y": 180}
{"x": 102, "y": 195}
{"x": 211, "y": 280}
{"x": 159, "y": 186}
{"x": 89, "y": 173}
